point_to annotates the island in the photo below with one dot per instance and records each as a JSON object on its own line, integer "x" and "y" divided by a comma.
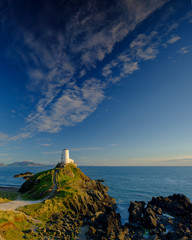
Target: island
{"x": 25, "y": 164}
{"x": 68, "y": 205}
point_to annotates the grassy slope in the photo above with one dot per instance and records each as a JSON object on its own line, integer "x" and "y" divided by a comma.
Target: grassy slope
{"x": 12, "y": 225}
{"x": 42, "y": 185}
{"x": 68, "y": 181}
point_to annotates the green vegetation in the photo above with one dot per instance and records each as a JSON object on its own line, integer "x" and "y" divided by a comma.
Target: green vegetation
{"x": 12, "y": 225}
{"x": 146, "y": 232}
{"x": 59, "y": 214}
{"x": 43, "y": 211}
{"x": 39, "y": 186}
{"x": 7, "y": 196}
{"x": 68, "y": 181}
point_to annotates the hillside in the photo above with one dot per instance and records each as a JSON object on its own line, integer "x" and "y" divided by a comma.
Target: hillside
{"x": 74, "y": 199}
{"x": 25, "y": 164}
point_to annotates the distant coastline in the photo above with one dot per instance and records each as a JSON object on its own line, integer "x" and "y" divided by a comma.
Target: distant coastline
{"x": 24, "y": 164}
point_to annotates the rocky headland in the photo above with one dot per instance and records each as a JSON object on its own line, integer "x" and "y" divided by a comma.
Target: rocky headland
{"x": 76, "y": 207}
{"x": 25, "y": 175}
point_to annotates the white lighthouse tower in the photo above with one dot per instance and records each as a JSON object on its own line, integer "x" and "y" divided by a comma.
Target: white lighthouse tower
{"x": 65, "y": 157}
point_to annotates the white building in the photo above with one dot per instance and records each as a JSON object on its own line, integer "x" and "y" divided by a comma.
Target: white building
{"x": 65, "y": 157}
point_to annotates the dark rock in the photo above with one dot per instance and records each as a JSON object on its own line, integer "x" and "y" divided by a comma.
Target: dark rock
{"x": 135, "y": 211}
{"x": 29, "y": 184}
{"x": 150, "y": 222}
{"x": 26, "y": 174}
{"x": 92, "y": 231}
{"x": 100, "y": 180}
{"x": 176, "y": 205}
{"x": 26, "y": 177}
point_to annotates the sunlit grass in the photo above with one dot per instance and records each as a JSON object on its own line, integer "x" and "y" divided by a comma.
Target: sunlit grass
{"x": 12, "y": 225}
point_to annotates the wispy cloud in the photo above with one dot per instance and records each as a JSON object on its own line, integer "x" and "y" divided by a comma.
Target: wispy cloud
{"x": 178, "y": 160}
{"x": 185, "y": 50}
{"x": 173, "y": 39}
{"x": 58, "y": 58}
{"x": 50, "y": 153}
{"x": 73, "y": 106}
{"x": 46, "y": 144}
{"x": 3, "y": 136}
{"x": 64, "y": 102}
{"x": 86, "y": 149}
{"x": 142, "y": 48}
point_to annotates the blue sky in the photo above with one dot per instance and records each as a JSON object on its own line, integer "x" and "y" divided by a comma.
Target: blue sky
{"x": 109, "y": 80}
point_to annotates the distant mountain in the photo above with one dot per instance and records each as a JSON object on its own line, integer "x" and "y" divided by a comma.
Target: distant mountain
{"x": 2, "y": 165}
{"x": 25, "y": 164}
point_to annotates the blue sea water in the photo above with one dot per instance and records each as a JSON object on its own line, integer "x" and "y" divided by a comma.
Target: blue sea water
{"x": 125, "y": 184}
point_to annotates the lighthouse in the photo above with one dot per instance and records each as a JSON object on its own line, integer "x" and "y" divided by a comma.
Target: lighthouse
{"x": 65, "y": 157}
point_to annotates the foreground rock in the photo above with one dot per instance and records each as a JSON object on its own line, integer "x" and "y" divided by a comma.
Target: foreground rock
{"x": 162, "y": 218}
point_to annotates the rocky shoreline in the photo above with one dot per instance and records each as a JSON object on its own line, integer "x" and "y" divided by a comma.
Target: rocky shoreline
{"x": 80, "y": 208}
{"x": 166, "y": 218}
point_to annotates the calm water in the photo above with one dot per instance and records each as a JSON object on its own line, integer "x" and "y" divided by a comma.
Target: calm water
{"x": 125, "y": 184}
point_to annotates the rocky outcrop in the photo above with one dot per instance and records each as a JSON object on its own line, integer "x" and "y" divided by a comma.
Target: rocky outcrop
{"x": 82, "y": 203}
{"x": 162, "y": 218}
{"x": 25, "y": 175}
{"x": 77, "y": 201}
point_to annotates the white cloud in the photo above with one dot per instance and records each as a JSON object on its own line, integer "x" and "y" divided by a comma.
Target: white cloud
{"x": 173, "y": 26}
{"x": 86, "y": 149}
{"x": 99, "y": 40}
{"x": 3, "y": 136}
{"x": 63, "y": 101}
{"x": 177, "y": 160}
{"x": 188, "y": 16}
{"x": 57, "y": 57}
{"x": 46, "y": 144}
{"x": 50, "y": 153}
{"x": 185, "y": 50}
{"x": 73, "y": 106}
{"x": 173, "y": 39}
{"x": 142, "y": 48}
{"x": 145, "y": 47}
{"x": 21, "y": 135}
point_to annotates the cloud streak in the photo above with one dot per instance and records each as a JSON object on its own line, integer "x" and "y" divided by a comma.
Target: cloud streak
{"x": 173, "y": 39}
{"x": 60, "y": 53}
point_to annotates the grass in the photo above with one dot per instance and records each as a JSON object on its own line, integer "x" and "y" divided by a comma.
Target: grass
{"x": 12, "y": 225}
{"x": 67, "y": 180}
{"x": 65, "y": 200}
{"x": 6, "y": 196}
{"x": 43, "y": 188}
{"x": 43, "y": 211}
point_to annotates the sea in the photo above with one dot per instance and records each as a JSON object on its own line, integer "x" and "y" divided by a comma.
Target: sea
{"x": 125, "y": 184}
